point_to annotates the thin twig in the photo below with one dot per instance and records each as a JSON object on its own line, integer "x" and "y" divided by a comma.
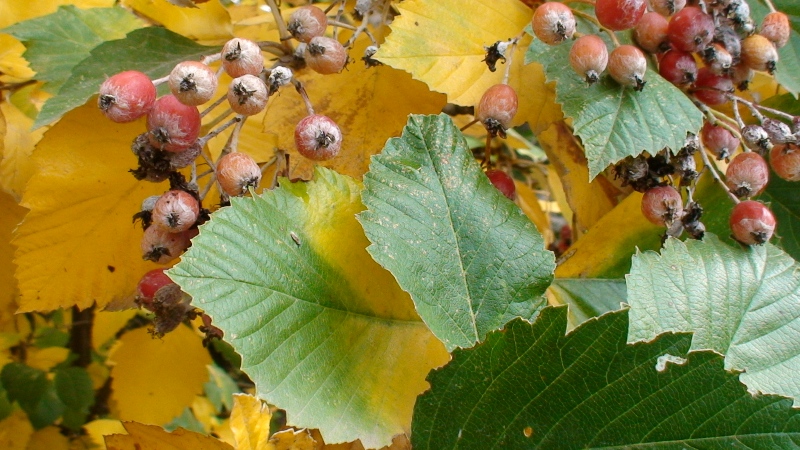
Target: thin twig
{"x": 711, "y": 168}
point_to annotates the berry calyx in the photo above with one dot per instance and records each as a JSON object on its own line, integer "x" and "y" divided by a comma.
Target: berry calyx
{"x": 627, "y": 66}
{"x": 126, "y": 96}
{"x": 173, "y": 126}
{"x": 503, "y": 182}
{"x": 662, "y": 205}
{"x": 325, "y": 55}
{"x": 752, "y": 223}
{"x": 589, "y": 57}
{"x": 776, "y": 28}
{"x": 785, "y": 161}
{"x": 318, "y": 137}
{"x": 619, "y": 15}
{"x": 758, "y": 53}
{"x": 175, "y": 211}
{"x": 553, "y": 23}
{"x": 237, "y": 172}
{"x": 242, "y": 57}
{"x": 497, "y": 109}
{"x": 192, "y": 83}
{"x": 247, "y": 95}
{"x": 307, "y": 22}
{"x": 747, "y": 175}
{"x": 690, "y": 29}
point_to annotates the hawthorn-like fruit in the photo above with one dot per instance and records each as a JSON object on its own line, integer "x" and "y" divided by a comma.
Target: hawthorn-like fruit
{"x": 589, "y": 57}
{"x": 758, "y": 53}
{"x": 651, "y": 33}
{"x": 237, "y": 172}
{"x": 161, "y": 246}
{"x": 627, "y": 66}
{"x": 785, "y": 161}
{"x": 619, "y": 15}
{"x": 747, "y": 175}
{"x": 175, "y": 211}
{"x": 710, "y": 88}
{"x": 173, "y": 126}
{"x": 247, "y": 95}
{"x": 752, "y": 223}
{"x": 667, "y": 7}
{"x": 318, "y": 137}
{"x": 150, "y": 283}
{"x": 776, "y": 28}
{"x": 325, "y": 55}
{"x": 307, "y": 22}
{"x": 690, "y": 29}
{"x": 717, "y": 58}
{"x": 192, "y": 83}
{"x": 242, "y": 57}
{"x": 721, "y": 142}
{"x": 553, "y": 23}
{"x": 126, "y": 96}
{"x": 503, "y": 182}
{"x": 677, "y": 67}
{"x": 662, "y": 205}
{"x": 497, "y": 108}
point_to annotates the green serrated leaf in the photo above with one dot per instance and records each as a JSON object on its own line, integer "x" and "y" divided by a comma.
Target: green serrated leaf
{"x": 588, "y": 297}
{"x": 468, "y": 256}
{"x": 743, "y": 302}
{"x": 33, "y": 391}
{"x": 324, "y": 331}
{"x": 153, "y": 50}
{"x": 74, "y": 388}
{"x": 612, "y": 121}
{"x": 57, "y": 42}
{"x": 532, "y": 387}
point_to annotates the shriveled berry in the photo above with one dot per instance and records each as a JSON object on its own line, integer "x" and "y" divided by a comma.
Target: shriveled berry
{"x": 756, "y": 138}
{"x": 307, "y": 22}
{"x": 619, "y": 15}
{"x": 179, "y": 160}
{"x": 690, "y": 29}
{"x": 710, "y": 88}
{"x": 503, "y": 182}
{"x": 242, "y": 57}
{"x": 589, "y": 57}
{"x": 747, "y": 175}
{"x": 667, "y": 7}
{"x": 497, "y": 108}
{"x": 161, "y": 246}
{"x": 719, "y": 140}
{"x": 662, "y": 205}
{"x": 627, "y": 66}
{"x": 126, "y": 96}
{"x": 237, "y": 172}
{"x": 279, "y": 77}
{"x": 318, "y": 137}
{"x": 776, "y": 28}
{"x": 678, "y": 67}
{"x": 247, "y": 95}
{"x": 173, "y": 126}
{"x": 651, "y": 33}
{"x": 325, "y": 55}
{"x": 778, "y": 132}
{"x": 752, "y": 223}
{"x": 758, "y": 53}
{"x": 192, "y": 83}
{"x": 727, "y": 37}
{"x": 175, "y": 211}
{"x": 785, "y": 161}
{"x": 553, "y": 23}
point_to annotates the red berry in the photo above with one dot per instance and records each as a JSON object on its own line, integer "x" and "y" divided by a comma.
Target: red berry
{"x": 175, "y": 211}
{"x": 503, "y": 182}
{"x": 247, "y": 95}
{"x": 242, "y": 57}
{"x": 173, "y": 126}
{"x": 719, "y": 140}
{"x": 126, "y": 96}
{"x": 710, "y": 88}
{"x": 747, "y": 175}
{"x": 162, "y": 246}
{"x": 651, "y": 33}
{"x": 192, "y": 83}
{"x": 662, "y": 205}
{"x": 627, "y": 66}
{"x": 150, "y": 283}
{"x": 677, "y": 67}
{"x": 619, "y": 15}
{"x": 497, "y": 108}
{"x": 776, "y": 28}
{"x": 325, "y": 55}
{"x": 752, "y": 223}
{"x": 758, "y": 53}
{"x": 553, "y": 23}
{"x": 237, "y": 172}
{"x": 785, "y": 161}
{"x": 307, "y": 22}
{"x": 318, "y": 137}
{"x": 691, "y": 30}
{"x": 589, "y": 57}
{"x": 667, "y": 7}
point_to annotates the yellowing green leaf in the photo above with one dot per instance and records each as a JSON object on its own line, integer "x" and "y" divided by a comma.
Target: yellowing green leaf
{"x": 77, "y": 245}
{"x": 370, "y": 105}
{"x": 16, "y": 165}
{"x": 149, "y": 437}
{"x": 208, "y": 22}
{"x": 442, "y": 43}
{"x": 155, "y": 379}
{"x": 250, "y": 422}
{"x": 12, "y": 12}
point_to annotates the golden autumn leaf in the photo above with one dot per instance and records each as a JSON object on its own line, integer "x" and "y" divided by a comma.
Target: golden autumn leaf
{"x": 46, "y": 358}
{"x": 106, "y": 324}
{"x": 529, "y": 204}
{"x": 13, "y": 66}
{"x": 15, "y": 431}
{"x": 446, "y": 51}
{"x": 155, "y": 379}
{"x": 77, "y": 245}
{"x": 209, "y": 22}
{"x": 49, "y": 438}
{"x": 16, "y": 164}
{"x": 291, "y": 440}
{"x": 149, "y": 437}
{"x": 370, "y": 105}
{"x": 249, "y": 422}
{"x": 11, "y": 214}
{"x": 96, "y": 429}
{"x": 12, "y": 12}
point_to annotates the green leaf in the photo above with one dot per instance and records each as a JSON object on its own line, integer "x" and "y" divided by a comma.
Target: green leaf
{"x": 530, "y": 386}
{"x": 743, "y": 302}
{"x": 5, "y": 404}
{"x": 33, "y": 391}
{"x": 152, "y": 50}
{"x": 468, "y": 256}
{"x": 788, "y": 68}
{"x": 588, "y": 297}
{"x": 74, "y": 388}
{"x": 57, "y": 42}
{"x": 220, "y": 388}
{"x": 324, "y": 331}
{"x": 187, "y": 421}
{"x": 612, "y": 121}
{"x": 782, "y": 198}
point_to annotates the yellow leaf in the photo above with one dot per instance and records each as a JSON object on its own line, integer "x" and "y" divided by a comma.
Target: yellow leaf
{"x": 208, "y": 22}
{"x": 446, "y": 51}
{"x": 12, "y": 64}
{"x": 155, "y": 379}
{"x": 106, "y": 324}
{"x": 96, "y": 429}
{"x": 588, "y": 201}
{"x": 15, "y": 431}
{"x": 250, "y": 422}
{"x": 77, "y": 245}
{"x": 557, "y": 194}
{"x": 7, "y": 340}
{"x": 99, "y": 373}
{"x": 12, "y": 12}
{"x": 250, "y": 21}
{"x": 224, "y": 432}
{"x": 204, "y": 412}
{"x": 16, "y": 166}
{"x": 369, "y": 105}
{"x": 11, "y": 214}
{"x": 529, "y": 204}
{"x": 292, "y": 440}
{"x": 46, "y": 358}
{"x": 149, "y": 437}
{"x": 49, "y": 438}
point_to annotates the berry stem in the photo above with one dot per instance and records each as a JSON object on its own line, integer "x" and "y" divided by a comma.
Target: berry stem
{"x": 510, "y": 52}
{"x": 302, "y": 91}
{"x": 755, "y": 106}
{"x": 208, "y": 60}
{"x": 282, "y": 30}
{"x": 594, "y": 20}
{"x": 213, "y": 133}
{"x": 474, "y": 121}
{"x": 344, "y": 25}
{"x": 338, "y": 18}
{"x": 213, "y": 105}
{"x": 736, "y": 114}
{"x": 720, "y": 119}
{"x": 219, "y": 118}
{"x": 233, "y": 139}
{"x": 267, "y": 164}
{"x": 361, "y": 28}
{"x": 712, "y": 169}
{"x": 487, "y": 152}
{"x": 770, "y": 6}
{"x": 275, "y": 48}
{"x": 161, "y": 80}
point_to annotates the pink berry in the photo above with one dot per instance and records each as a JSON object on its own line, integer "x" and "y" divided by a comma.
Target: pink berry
{"x": 318, "y": 137}
{"x": 719, "y": 140}
{"x": 752, "y": 223}
{"x": 173, "y": 126}
{"x": 247, "y": 95}
{"x": 553, "y": 23}
{"x": 619, "y": 15}
{"x": 712, "y": 89}
{"x": 785, "y": 161}
{"x": 237, "y": 172}
{"x": 662, "y": 205}
{"x": 691, "y": 30}
{"x": 651, "y": 33}
{"x": 307, "y": 22}
{"x": 242, "y": 57}
{"x": 627, "y": 66}
{"x": 192, "y": 83}
{"x": 497, "y": 108}
{"x": 677, "y": 67}
{"x": 589, "y": 57}
{"x": 162, "y": 246}
{"x": 175, "y": 211}
{"x": 747, "y": 175}
{"x": 126, "y": 96}
{"x": 503, "y": 182}
{"x": 776, "y": 28}
{"x": 325, "y": 55}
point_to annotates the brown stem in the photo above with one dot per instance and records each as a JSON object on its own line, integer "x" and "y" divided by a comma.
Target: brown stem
{"x": 80, "y": 341}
